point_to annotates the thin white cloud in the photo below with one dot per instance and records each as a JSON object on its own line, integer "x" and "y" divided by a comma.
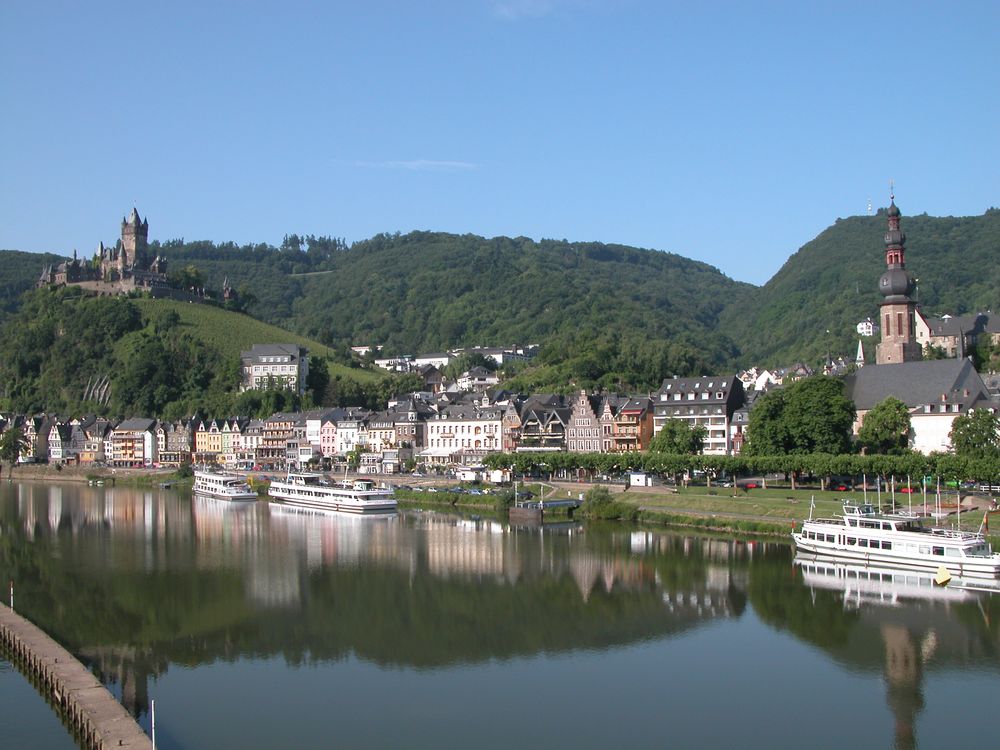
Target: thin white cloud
{"x": 421, "y": 165}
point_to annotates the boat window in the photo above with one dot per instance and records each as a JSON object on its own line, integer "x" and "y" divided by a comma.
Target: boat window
{"x": 924, "y": 549}
{"x": 862, "y": 542}
{"x": 852, "y": 540}
{"x": 831, "y": 538}
{"x": 886, "y": 545}
{"x": 938, "y": 551}
{"x": 953, "y": 552}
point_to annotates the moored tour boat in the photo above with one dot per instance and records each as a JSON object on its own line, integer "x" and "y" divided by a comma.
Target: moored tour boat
{"x": 222, "y": 486}
{"x": 312, "y": 492}
{"x": 897, "y": 540}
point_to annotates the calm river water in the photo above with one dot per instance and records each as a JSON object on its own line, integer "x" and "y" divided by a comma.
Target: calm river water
{"x": 254, "y": 628}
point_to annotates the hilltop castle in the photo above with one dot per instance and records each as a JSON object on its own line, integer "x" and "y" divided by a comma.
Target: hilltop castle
{"x": 120, "y": 269}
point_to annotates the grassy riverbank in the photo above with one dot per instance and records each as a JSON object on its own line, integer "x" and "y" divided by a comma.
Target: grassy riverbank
{"x": 772, "y": 511}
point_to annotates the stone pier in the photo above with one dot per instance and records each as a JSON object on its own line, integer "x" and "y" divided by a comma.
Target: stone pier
{"x": 98, "y": 719}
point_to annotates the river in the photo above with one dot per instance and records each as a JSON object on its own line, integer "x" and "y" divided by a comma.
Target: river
{"x": 258, "y": 628}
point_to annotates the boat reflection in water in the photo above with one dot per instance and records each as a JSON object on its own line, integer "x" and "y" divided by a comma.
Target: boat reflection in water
{"x": 913, "y": 618}
{"x": 879, "y": 584}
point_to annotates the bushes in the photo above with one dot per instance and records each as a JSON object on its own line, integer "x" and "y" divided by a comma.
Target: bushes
{"x": 600, "y": 505}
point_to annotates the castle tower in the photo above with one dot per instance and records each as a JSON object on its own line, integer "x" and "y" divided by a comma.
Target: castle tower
{"x": 135, "y": 241}
{"x": 897, "y": 309}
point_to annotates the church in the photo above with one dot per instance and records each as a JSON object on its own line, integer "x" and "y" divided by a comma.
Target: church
{"x": 936, "y": 391}
{"x": 123, "y": 268}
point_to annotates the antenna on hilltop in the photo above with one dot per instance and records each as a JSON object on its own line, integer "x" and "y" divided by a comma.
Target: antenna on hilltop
{"x": 869, "y": 206}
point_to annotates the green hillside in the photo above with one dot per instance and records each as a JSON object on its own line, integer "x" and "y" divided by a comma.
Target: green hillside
{"x": 18, "y": 273}
{"x": 831, "y": 284}
{"x": 608, "y": 316}
{"x": 72, "y": 353}
{"x": 605, "y": 315}
{"x": 230, "y": 333}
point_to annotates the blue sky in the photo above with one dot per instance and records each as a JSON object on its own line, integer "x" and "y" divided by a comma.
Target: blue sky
{"x": 731, "y": 133}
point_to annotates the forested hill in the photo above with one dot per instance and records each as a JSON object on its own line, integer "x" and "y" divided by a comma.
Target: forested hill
{"x": 831, "y": 284}
{"x": 604, "y": 314}
{"x": 18, "y": 273}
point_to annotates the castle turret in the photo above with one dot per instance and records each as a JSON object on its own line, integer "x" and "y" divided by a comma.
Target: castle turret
{"x": 898, "y": 310}
{"x": 135, "y": 240}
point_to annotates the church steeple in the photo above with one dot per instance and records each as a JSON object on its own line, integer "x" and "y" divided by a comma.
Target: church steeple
{"x": 898, "y": 310}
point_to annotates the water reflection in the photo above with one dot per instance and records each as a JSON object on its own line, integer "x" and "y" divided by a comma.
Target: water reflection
{"x": 136, "y": 581}
{"x": 916, "y": 623}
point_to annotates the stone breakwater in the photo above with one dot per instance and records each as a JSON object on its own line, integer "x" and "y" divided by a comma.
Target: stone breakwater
{"x": 99, "y": 720}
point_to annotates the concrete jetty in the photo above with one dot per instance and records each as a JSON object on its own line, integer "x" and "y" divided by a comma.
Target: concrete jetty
{"x": 100, "y": 721}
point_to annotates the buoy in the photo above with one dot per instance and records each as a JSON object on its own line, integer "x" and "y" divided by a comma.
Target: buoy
{"x": 942, "y": 577}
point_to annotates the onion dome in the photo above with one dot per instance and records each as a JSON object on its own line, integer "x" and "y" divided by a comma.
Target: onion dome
{"x": 893, "y": 210}
{"x": 896, "y": 285}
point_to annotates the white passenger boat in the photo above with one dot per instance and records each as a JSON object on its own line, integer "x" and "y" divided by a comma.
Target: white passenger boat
{"x": 897, "y": 540}
{"x": 222, "y": 486}
{"x": 313, "y": 492}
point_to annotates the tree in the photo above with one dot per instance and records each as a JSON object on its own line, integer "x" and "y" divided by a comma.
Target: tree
{"x": 811, "y": 415}
{"x": 677, "y": 436}
{"x": 886, "y": 428}
{"x": 318, "y": 379}
{"x": 767, "y": 434}
{"x": 13, "y": 443}
{"x": 188, "y": 277}
{"x": 976, "y": 434}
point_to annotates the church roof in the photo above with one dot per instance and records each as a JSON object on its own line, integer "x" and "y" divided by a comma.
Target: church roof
{"x": 913, "y": 383}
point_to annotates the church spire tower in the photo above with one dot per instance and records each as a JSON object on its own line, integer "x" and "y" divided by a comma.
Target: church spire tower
{"x": 898, "y": 310}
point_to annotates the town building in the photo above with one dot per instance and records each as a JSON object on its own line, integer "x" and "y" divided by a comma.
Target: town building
{"x": 935, "y": 391}
{"x": 133, "y": 443}
{"x": 281, "y": 366}
{"x": 708, "y": 401}
{"x": 583, "y": 433}
{"x": 897, "y": 311}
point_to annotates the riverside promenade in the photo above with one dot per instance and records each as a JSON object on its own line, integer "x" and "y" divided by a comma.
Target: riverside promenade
{"x": 99, "y": 721}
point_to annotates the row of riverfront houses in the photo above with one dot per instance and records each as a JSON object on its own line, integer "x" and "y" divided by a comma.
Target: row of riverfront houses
{"x": 459, "y": 428}
{"x": 421, "y": 428}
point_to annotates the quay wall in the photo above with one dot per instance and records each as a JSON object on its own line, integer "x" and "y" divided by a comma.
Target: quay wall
{"x": 100, "y": 721}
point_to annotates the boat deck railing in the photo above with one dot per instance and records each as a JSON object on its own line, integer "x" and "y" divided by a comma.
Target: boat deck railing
{"x": 955, "y": 534}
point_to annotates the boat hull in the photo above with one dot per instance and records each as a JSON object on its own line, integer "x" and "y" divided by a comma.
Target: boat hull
{"x": 330, "y": 500}
{"x": 988, "y": 567}
{"x": 245, "y": 497}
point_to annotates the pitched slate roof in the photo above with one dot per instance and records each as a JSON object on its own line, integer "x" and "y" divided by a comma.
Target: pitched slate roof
{"x": 137, "y": 424}
{"x": 913, "y": 383}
